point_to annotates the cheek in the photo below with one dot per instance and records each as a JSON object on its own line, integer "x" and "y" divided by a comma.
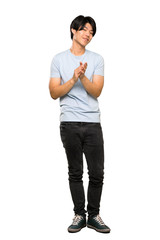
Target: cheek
{"x": 90, "y": 38}
{"x": 80, "y": 33}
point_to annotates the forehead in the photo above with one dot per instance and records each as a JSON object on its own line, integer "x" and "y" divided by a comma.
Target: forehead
{"x": 88, "y": 26}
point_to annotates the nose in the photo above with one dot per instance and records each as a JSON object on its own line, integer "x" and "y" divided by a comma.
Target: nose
{"x": 87, "y": 33}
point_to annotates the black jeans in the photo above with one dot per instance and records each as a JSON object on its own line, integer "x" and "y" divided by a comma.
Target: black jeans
{"x": 87, "y": 138}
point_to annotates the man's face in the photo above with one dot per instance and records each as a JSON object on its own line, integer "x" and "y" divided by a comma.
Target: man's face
{"x": 84, "y": 36}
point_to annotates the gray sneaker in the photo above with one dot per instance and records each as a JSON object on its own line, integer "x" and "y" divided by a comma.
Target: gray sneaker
{"x": 78, "y": 223}
{"x": 97, "y": 224}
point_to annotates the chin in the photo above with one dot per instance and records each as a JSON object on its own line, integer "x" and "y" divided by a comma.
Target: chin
{"x": 84, "y": 45}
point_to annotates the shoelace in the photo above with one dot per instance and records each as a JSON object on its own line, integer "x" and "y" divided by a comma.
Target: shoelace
{"x": 99, "y": 220}
{"x": 77, "y": 219}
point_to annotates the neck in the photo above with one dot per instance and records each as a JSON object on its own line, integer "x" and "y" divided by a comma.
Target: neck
{"x": 77, "y": 49}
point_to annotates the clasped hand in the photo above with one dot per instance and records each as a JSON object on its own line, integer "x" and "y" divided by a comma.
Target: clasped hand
{"x": 80, "y": 71}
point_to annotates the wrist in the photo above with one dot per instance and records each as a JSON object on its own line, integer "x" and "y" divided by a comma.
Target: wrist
{"x": 82, "y": 77}
{"x": 73, "y": 81}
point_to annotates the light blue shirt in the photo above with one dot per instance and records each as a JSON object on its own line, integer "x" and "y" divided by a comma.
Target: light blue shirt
{"x": 77, "y": 105}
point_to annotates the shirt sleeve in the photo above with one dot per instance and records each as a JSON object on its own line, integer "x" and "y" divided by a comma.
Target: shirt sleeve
{"x": 55, "y": 71}
{"x": 99, "y": 69}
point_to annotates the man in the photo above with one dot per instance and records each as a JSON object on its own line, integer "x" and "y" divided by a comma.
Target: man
{"x": 77, "y": 78}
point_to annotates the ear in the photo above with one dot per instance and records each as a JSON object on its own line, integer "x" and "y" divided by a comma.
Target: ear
{"x": 73, "y": 31}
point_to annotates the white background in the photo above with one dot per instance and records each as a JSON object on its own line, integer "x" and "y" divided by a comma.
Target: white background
{"x": 35, "y": 201}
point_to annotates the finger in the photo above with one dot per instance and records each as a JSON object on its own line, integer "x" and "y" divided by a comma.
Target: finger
{"x": 85, "y": 65}
{"x": 79, "y": 70}
{"x": 83, "y": 71}
{"x": 82, "y": 67}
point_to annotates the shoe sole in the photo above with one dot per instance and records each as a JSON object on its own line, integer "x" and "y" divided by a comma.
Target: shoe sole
{"x": 75, "y": 230}
{"x": 99, "y": 230}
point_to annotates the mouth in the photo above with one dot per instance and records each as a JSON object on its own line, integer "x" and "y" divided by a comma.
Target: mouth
{"x": 86, "y": 39}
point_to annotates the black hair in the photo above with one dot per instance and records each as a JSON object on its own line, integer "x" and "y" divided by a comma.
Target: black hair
{"x": 79, "y": 22}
